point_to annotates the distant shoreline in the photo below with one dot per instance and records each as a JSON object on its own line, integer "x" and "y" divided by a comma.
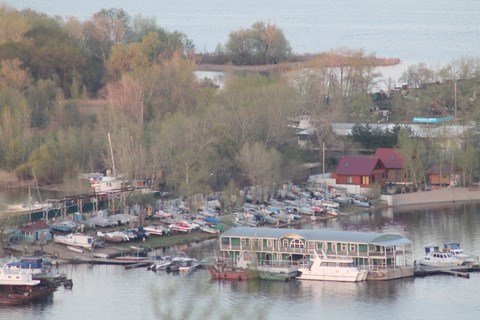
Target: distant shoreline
{"x": 296, "y": 63}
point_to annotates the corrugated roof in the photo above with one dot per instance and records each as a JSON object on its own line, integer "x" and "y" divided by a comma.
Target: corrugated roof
{"x": 356, "y": 165}
{"x": 391, "y": 158}
{"x": 317, "y": 234}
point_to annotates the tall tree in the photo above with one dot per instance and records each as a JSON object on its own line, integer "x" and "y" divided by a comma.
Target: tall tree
{"x": 260, "y": 44}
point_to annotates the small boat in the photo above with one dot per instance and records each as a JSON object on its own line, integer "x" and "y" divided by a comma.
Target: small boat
{"x": 436, "y": 258}
{"x": 36, "y": 264}
{"x": 75, "y": 239}
{"x": 325, "y": 268}
{"x": 280, "y": 271}
{"x": 177, "y": 260}
{"x": 114, "y": 236}
{"x": 183, "y": 226}
{"x": 157, "y": 229}
{"x": 362, "y": 203}
{"x": 224, "y": 269}
{"x": 161, "y": 263}
{"x": 63, "y": 226}
{"x": 208, "y": 229}
{"x": 456, "y": 251}
{"x": 189, "y": 265}
{"x": 343, "y": 199}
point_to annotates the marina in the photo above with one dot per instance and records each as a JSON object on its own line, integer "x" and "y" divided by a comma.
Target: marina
{"x": 202, "y": 285}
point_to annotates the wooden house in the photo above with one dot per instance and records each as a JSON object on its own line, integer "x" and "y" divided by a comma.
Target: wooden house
{"x": 440, "y": 175}
{"x": 395, "y": 164}
{"x": 34, "y": 231}
{"x": 361, "y": 171}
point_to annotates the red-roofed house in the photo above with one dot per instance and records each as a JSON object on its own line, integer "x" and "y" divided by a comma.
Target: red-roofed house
{"x": 362, "y": 171}
{"x": 395, "y": 164}
{"x": 37, "y": 230}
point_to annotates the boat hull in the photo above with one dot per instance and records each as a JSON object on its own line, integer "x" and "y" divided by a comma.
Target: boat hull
{"x": 236, "y": 275}
{"x": 342, "y": 277}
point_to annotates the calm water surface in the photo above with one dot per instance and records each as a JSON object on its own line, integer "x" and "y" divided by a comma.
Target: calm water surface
{"x": 430, "y": 31}
{"x": 110, "y": 292}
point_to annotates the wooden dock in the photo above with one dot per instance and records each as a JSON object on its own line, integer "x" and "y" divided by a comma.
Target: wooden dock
{"x": 461, "y": 271}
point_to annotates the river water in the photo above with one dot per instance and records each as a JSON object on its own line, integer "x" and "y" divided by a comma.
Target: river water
{"x": 430, "y": 31}
{"x": 111, "y": 292}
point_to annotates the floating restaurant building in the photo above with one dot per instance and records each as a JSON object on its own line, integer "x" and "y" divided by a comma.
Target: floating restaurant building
{"x": 385, "y": 256}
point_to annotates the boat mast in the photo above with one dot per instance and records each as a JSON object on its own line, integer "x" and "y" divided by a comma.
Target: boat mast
{"x": 111, "y": 154}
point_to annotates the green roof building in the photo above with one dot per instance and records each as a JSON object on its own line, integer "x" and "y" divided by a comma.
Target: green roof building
{"x": 385, "y": 256}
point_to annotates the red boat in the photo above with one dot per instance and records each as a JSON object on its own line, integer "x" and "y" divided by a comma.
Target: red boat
{"x": 223, "y": 270}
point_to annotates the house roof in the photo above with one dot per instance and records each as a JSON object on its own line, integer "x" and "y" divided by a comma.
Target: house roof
{"x": 357, "y": 165}
{"x": 318, "y": 234}
{"x": 391, "y": 158}
{"x": 34, "y": 226}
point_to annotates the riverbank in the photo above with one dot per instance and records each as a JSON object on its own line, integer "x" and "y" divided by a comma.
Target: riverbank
{"x": 436, "y": 197}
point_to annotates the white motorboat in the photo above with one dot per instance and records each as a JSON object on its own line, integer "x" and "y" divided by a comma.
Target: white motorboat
{"x": 75, "y": 239}
{"x": 325, "y": 268}
{"x": 162, "y": 263}
{"x": 189, "y": 265}
{"x": 456, "y": 251}
{"x": 157, "y": 229}
{"x": 436, "y": 258}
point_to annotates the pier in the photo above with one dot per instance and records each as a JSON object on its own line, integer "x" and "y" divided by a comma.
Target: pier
{"x": 461, "y": 271}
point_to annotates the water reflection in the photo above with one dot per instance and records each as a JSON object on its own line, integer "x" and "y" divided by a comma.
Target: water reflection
{"x": 103, "y": 291}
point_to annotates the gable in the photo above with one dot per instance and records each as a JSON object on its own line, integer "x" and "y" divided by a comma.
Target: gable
{"x": 391, "y": 158}
{"x": 358, "y": 166}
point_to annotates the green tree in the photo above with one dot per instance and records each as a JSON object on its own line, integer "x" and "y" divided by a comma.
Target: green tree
{"x": 260, "y": 44}
{"x": 415, "y": 153}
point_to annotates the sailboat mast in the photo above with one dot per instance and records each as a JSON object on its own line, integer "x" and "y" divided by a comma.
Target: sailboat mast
{"x": 111, "y": 154}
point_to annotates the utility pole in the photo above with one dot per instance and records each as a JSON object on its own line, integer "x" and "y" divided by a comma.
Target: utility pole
{"x": 455, "y": 99}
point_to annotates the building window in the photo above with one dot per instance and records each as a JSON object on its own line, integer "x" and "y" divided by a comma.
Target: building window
{"x": 353, "y": 247}
{"x": 297, "y": 244}
{"x": 285, "y": 243}
{"x": 349, "y": 180}
{"x": 269, "y": 243}
{"x": 365, "y": 180}
{"x": 343, "y": 247}
{"x": 244, "y": 243}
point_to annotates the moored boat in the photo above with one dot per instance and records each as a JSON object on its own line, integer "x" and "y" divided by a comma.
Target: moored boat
{"x": 436, "y": 258}
{"x": 280, "y": 271}
{"x": 325, "y": 268}
{"x": 456, "y": 251}
{"x": 224, "y": 269}
{"x": 189, "y": 265}
{"x": 18, "y": 287}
